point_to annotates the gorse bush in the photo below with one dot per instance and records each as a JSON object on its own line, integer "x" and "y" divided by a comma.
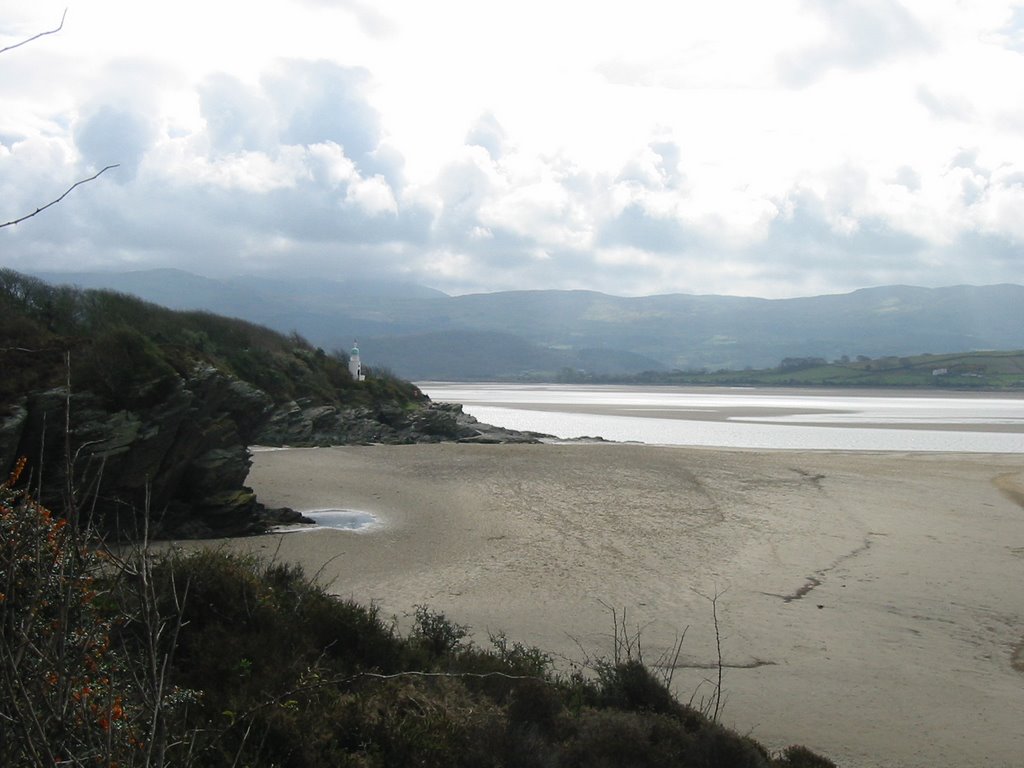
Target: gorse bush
{"x": 67, "y": 695}
{"x": 56, "y": 662}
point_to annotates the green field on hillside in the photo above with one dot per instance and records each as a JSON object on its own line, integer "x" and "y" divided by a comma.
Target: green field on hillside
{"x": 989, "y": 370}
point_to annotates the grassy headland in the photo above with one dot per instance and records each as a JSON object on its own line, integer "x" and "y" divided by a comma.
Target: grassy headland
{"x": 131, "y": 405}
{"x": 125, "y": 349}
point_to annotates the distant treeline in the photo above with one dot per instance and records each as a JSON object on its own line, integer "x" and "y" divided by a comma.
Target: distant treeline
{"x": 991, "y": 370}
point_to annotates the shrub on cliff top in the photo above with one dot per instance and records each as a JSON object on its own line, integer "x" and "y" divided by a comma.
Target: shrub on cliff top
{"x": 123, "y": 342}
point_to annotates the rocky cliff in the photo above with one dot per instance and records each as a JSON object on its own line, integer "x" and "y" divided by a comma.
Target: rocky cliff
{"x": 163, "y": 407}
{"x": 186, "y": 458}
{"x": 302, "y": 423}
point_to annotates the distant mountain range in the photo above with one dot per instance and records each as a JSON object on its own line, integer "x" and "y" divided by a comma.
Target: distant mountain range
{"x": 420, "y": 333}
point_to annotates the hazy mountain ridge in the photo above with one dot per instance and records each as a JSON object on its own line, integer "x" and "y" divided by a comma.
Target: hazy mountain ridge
{"x": 410, "y": 328}
{"x": 494, "y": 355}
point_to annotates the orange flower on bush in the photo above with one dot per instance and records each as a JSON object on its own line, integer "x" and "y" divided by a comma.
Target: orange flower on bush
{"x": 19, "y": 467}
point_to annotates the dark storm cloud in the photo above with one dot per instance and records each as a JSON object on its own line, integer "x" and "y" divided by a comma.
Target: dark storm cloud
{"x": 861, "y": 35}
{"x": 301, "y": 103}
{"x": 216, "y": 230}
{"x": 111, "y": 136}
{"x": 288, "y": 173}
{"x": 320, "y": 101}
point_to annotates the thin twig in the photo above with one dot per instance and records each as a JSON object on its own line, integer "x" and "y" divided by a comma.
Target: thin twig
{"x": 717, "y": 695}
{"x": 36, "y": 37}
{"x": 67, "y": 192}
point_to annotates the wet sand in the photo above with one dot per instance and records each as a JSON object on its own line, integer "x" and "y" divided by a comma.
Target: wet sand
{"x": 869, "y": 603}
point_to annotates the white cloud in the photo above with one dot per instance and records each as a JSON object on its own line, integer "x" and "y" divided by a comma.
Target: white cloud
{"x": 739, "y": 147}
{"x": 329, "y": 165}
{"x": 247, "y": 172}
{"x": 373, "y": 195}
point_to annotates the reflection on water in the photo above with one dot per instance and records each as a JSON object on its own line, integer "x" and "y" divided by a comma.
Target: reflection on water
{"x": 344, "y": 519}
{"x": 751, "y": 418}
{"x": 348, "y": 519}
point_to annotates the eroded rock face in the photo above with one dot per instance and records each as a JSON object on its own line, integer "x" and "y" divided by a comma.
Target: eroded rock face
{"x": 185, "y": 458}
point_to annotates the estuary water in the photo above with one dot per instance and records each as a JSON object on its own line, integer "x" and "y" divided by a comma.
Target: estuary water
{"x": 847, "y": 420}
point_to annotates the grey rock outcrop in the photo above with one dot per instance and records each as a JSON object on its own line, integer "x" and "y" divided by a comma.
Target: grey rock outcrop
{"x": 183, "y": 456}
{"x": 304, "y": 424}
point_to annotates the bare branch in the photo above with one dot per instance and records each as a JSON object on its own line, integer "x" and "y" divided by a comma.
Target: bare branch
{"x": 716, "y": 697}
{"x": 54, "y": 202}
{"x": 67, "y": 192}
{"x": 36, "y": 37}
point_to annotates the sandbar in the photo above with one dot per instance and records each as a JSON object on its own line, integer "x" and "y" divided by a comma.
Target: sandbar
{"x": 869, "y": 604}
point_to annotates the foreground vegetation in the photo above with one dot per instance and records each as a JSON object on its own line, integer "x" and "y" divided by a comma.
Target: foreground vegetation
{"x": 122, "y": 658}
{"x": 985, "y": 371}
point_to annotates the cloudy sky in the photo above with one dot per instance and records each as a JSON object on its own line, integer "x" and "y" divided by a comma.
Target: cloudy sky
{"x": 783, "y": 148}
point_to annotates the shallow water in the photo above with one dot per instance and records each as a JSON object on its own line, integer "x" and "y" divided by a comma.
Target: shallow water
{"x": 850, "y": 420}
{"x": 338, "y": 519}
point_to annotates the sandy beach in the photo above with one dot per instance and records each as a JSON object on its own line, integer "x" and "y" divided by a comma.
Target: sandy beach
{"x": 869, "y": 603}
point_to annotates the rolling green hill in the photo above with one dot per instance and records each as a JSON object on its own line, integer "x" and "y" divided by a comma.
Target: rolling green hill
{"x": 410, "y": 329}
{"x": 975, "y": 371}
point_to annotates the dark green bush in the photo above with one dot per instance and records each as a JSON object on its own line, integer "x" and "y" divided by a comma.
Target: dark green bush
{"x": 438, "y": 635}
{"x": 801, "y": 757}
{"x": 616, "y": 739}
{"x": 631, "y": 686}
{"x": 125, "y": 368}
{"x": 254, "y": 627}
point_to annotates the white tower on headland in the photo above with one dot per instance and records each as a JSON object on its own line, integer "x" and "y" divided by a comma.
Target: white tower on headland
{"x": 355, "y": 366}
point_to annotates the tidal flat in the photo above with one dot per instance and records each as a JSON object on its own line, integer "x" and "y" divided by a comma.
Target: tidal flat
{"x": 868, "y": 603}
